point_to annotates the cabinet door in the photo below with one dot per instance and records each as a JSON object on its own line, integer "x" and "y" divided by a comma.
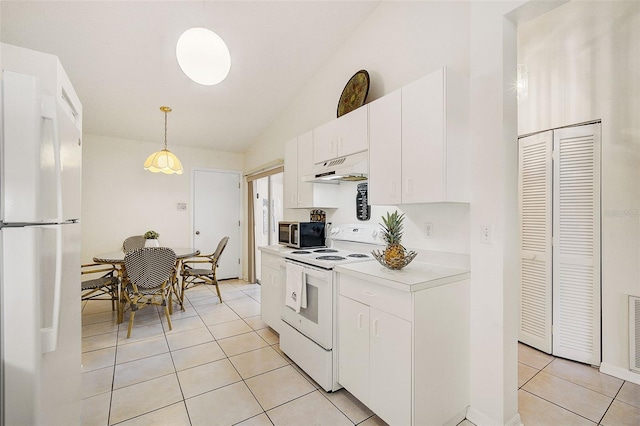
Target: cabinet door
{"x": 325, "y": 145}
{"x": 291, "y": 174}
{"x": 305, "y": 168}
{"x": 353, "y": 348}
{"x": 352, "y": 132}
{"x": 423, "y": 156}
{"x": 269, "y": 296}
{"x": 385, "y": 149}
{"x": 390, "y": 368}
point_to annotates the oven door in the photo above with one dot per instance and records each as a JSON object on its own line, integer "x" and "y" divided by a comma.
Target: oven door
{"x": 316, "y": 320}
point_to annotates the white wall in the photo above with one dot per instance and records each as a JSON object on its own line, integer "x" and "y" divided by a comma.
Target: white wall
{"x": 120, "y": 198}
{"x": 450, "y": 226}
{"x": 583, "y": 62}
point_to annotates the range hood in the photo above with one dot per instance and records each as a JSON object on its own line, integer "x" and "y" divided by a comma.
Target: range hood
{"x": 350, "y": 168}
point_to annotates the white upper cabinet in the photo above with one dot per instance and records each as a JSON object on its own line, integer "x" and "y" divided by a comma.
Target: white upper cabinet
{"x": 298, "y": 162}
{"x": 426, "y": 125}
{"x": 343, "y": 136}
{"x": 385, "y": 149}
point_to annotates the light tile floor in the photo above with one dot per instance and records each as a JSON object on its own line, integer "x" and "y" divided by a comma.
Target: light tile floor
{"x": 555, "y": 391}
{"x": 221, "y": 365}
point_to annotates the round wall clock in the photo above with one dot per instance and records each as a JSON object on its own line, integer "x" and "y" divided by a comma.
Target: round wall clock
{"x": 354, "y": 93}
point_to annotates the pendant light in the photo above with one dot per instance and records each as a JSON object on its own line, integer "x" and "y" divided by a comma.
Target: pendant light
{"x": 164, "y": 161}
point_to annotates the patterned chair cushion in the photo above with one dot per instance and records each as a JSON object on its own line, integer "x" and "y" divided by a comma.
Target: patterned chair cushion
{"x": 132, "y": 243}
{"x": 150, "y": 267}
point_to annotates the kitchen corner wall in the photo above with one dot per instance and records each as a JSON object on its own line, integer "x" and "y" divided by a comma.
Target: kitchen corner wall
{"x": 120, "y": 198}
{"x": 582, "y": 64}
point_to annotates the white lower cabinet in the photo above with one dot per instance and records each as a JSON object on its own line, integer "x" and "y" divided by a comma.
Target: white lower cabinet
{"x": 405, "y": 354}
{"x": 272, "y": 290}
{"x": 375, "y": 359}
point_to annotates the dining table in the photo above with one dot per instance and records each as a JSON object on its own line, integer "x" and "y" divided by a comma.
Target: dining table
{"x": 116, "y": 258}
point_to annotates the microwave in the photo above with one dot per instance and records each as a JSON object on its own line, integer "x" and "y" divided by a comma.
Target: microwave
{"x": 301, "y": 234}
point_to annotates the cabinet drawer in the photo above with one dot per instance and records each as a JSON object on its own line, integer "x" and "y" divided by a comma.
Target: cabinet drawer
{"x": 380, "y": 297}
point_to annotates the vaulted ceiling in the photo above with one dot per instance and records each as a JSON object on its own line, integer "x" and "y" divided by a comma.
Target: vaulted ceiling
{"x": 120, "y": 57}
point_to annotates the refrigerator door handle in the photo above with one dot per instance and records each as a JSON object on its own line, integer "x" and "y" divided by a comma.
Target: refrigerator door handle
{"x": 50, "y": 334}
{"x": 49, "y": 112}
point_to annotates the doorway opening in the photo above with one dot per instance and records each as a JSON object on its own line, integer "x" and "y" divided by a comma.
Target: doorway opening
{"x": 559, "y": 209}
{"x": 265, "y": 208}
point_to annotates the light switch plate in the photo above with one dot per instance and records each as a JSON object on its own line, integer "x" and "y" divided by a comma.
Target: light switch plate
{"x": 485, "y": 234}
{"x": 428, "y": 230}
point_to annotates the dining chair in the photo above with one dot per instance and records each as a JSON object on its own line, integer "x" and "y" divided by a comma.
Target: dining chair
{"x": 193, "y": 276}
{"x": 148, "y": 280}
{"x": 99, "y": 282}
{"x": 132, "y": 243}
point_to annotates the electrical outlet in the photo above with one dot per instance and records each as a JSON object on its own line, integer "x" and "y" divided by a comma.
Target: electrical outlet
{"x": 428, "y": 230}
{"x": 485, "y": 235}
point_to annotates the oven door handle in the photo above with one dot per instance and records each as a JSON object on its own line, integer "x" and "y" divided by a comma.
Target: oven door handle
{"x": 311, "y": 270}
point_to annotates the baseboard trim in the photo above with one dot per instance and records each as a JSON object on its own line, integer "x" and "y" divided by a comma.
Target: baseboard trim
{"x": 480, "y": 419}
{"x": 620, "y": 373}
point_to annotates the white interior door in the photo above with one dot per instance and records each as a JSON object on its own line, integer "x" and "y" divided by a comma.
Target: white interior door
{"x": 576, "y": 254}
{"x": 535, "y": 189}
{"x": 216, "y": 214}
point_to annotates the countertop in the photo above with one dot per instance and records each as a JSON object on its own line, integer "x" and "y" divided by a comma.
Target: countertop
{"x": 413, "y": 277}
{"x": 276, "y": 249}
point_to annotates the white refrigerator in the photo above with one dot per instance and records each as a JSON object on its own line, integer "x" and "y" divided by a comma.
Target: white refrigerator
{"x": 40, "y": 185}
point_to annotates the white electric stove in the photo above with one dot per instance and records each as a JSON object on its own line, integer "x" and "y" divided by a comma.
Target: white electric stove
{"x": 348, "y": 243}
{"x": 308, "y": 335}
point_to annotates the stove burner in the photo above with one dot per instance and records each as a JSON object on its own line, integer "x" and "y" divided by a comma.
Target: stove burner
{"x": 300, "y": 252}
{"x": 358, "y": 255}
{"x": 325, "y": 251}
{"x": 330, "y": 257}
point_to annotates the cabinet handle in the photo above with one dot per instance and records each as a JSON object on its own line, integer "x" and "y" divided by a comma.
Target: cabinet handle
{"x": 360, "y": 316}
{"x": 340, "y": 144}
{"x": 293, "y": 198}
{"x": 368, "y": 294}
{"x": 375, "y": 328}
{"x": 408, "y": 186}
{"x": 298, "y": 198}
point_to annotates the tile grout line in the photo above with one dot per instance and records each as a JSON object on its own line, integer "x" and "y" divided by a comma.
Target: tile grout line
{"x": 560, "y": 406}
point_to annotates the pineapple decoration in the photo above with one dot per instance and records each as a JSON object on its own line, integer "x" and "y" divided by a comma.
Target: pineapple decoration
{"x": 395, "y": 256}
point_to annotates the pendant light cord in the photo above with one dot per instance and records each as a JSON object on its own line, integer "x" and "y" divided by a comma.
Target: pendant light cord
{"x": 165, "y": 130}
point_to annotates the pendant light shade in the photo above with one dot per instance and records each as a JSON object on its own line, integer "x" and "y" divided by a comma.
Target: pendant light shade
{"x": 203, "y": 56}
{"x": 164, "y": 161}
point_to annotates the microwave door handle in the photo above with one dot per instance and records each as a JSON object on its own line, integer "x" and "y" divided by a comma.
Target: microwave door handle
{"x": 290, "y": 233}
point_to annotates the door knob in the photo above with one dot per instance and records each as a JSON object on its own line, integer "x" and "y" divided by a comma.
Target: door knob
{"x": 197, "y": 232}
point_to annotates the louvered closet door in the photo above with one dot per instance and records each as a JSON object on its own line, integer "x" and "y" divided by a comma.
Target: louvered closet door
{"x": 535, "y": 186}
{"x": 576, "y": 251}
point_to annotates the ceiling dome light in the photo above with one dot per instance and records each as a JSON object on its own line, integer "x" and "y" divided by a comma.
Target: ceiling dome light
{"x": 203, "y": 56}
